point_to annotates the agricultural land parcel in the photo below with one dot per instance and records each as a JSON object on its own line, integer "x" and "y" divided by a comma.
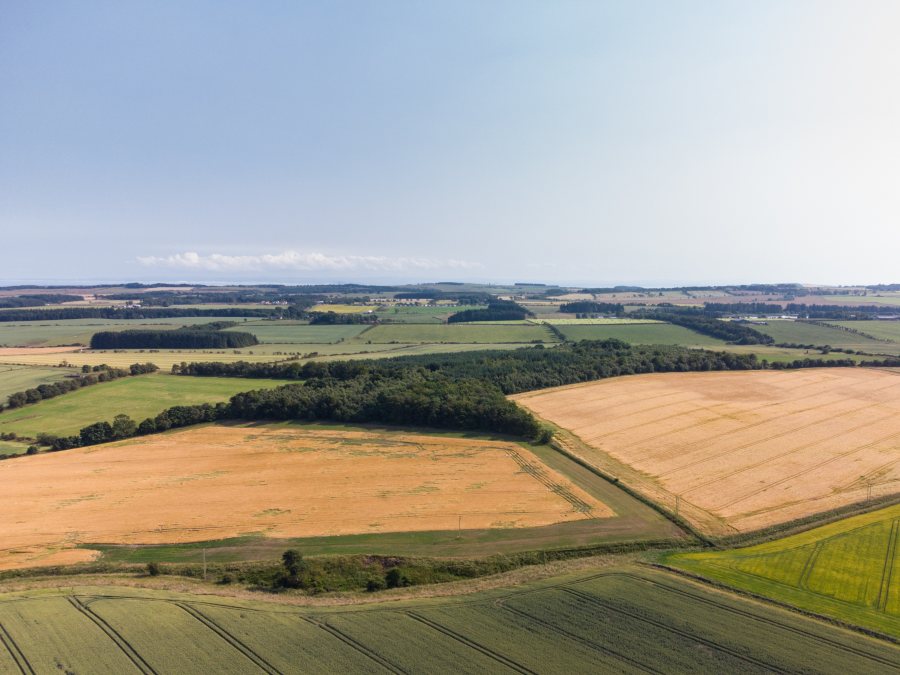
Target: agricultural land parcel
{"x": 459, "y": 333}
{"x": 740, "y": 450}
{"x": 18, "y": 378}
{"x": 138, "y": 397}
{"x": 803, "y": 332}
{"x": 613, "y": 621}
{"x": 640, "y": 333}
{"x": 849, "y": 570}
{"x": 220, "y": 481}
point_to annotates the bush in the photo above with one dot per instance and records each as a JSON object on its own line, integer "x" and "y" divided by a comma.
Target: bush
{"x": 154, "y": 569}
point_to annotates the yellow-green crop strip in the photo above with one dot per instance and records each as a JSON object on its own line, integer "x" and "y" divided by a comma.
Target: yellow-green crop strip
{"x": 848, "y": 570}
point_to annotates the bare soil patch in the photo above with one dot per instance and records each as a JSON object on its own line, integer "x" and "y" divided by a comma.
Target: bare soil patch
{"x": 739, "y": 451}
{"x": 224, "y": 481}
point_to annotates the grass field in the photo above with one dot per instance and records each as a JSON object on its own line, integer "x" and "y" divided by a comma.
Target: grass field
{"x": 285, "y": 481}
{"x": 79, "y": 331}
{"x": 293, "y": 332}
{"x": 883, "y": 330}
{"x": 740, "y": 450}
{"x": 138, "y": 397}
{"x": 567, "y": 320}
{"x": 458, "y": 333}
{"x": 848, "y": 570}
{"x": 19, "y": 378}
{"x": 624, "y": 621}
{"x": 427, "y": 314}
{"x": 12, "y": 448}
{"x": 338, "y": 308}
{"x": 801, "y": 332}
{"x": 642, "y": 334}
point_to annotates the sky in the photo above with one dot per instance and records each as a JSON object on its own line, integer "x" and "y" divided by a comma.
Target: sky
{"x": 628, "y": 142}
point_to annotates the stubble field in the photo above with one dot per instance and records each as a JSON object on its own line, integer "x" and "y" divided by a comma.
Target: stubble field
{"x": 739, "y": 451}
{"x": 223, "y": 481}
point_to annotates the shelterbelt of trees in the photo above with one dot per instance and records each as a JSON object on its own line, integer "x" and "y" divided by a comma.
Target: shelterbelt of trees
{"x": 39, "y": 314}
{"x": 89, "y": 375}
{"x": 463, "y": 391}
{"x": 589, "y": 307}
{"x": 497, "y": 310}
{"x": 37, "y": 299}
{"x": 172, "y": 339}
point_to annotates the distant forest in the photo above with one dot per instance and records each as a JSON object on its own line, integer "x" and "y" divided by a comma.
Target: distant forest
{"x": 172, "y": 339}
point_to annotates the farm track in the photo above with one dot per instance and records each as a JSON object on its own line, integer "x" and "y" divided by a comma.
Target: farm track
{"x": 490, "y": 653}
{"x": 888, "y": 569}
{"x": 15, "y": 652}
{"x": 229, "y": 638}
{"x": 114, "y": 635}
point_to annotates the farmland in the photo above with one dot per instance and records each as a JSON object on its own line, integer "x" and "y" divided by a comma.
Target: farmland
{"x": 608, "y": 620}
{"x": 295, "y": 332}
{"x": 640, "y": 333}
{"x": 848, "y": 570}
{"x": 883, "y": 330}
{"x": 223, "y": 481}
{"x": 458, "y": 333}
{"x": 18, "y": 378}
{"x": 803, "y": 332}
{"x": 138, "y": 397}
{"x": 738, "y": 451}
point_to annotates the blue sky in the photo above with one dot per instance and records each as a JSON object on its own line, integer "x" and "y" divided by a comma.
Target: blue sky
{"x": 573, "y": 142}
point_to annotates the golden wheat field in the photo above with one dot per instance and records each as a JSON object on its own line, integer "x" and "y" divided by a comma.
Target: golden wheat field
{"x": 739, "y": 451}
{"x": 283, "y": 481}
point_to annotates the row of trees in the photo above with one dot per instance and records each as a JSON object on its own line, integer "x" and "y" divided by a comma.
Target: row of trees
{"x": 729, "y": 331}
{"x": 89, "y": 376}
{"x": 335, "y": 318}
{"x": 589, "y": 307}
{"x": 172, "y": 339}
{"x": 36, "y": 300}
{"x": 497, "y": 310}
{"x": 39, "y": 314}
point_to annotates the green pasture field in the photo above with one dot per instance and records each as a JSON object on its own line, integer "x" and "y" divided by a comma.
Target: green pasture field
{"x": 138, "y": 397}
{"x": 642, "y": 334}
{"x": 599, "y": 322}
{"x": 457, "y": 333}
{"x": 620, "y": 620}
{"x": 848, "y": 570}
{"x": 883, "y": 330}
{"x": 295, "y": 332}
{"x": 787, "y": 354}
{"x": 79, "y": 331}
{"x": 801, "y": 332}
{"x": 9, "y": 448}
{"x": 415, "y": 314}
{"x": 19, "y": 378}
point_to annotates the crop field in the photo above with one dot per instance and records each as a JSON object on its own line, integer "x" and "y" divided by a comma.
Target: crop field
{"x": 293, "y": 332}
{"x": 883, "y": 330}
{"x": 19, "y": 378}
{"x": 220, "y": 481}
{"x": 138, "y": 397}
{"x": 738, "y": 451}
{"x": 615, "y": 621}
{"x": 458, "y": 333}
{"x": 426, "y": 314}
{"x": 849, "y": 570}
{"x": 642, "y": 334}
{"x": 341, "y": 308}
{"x": 567, "y": 320}
{"x": 801, "y": 332}
{"x": 79, "y": 331}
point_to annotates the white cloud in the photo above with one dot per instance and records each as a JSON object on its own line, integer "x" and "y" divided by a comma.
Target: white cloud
{"x": 295, "y": 260}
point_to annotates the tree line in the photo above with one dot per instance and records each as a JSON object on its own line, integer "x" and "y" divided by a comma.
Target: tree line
{"x": 172, "y": 339}
{"x": 729, "y": 331}
{"x": 338, "y": 318}
{"x": 89, "y": 375}
{"x": 37, "y": 299}
{"x": 497, "y": 310}
{"x": 39, "y": 314}
{"x": 590, "y": 307}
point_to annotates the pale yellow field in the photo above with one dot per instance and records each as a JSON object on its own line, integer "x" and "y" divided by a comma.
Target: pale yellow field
{"x": 284, "y": 481}
{"x": 341, "y": 309}
{"x": 741, "y": 450}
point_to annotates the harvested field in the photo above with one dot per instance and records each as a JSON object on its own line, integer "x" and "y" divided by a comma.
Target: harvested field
{"x": 284, "y": 481}
{"x": 741, "y": 450}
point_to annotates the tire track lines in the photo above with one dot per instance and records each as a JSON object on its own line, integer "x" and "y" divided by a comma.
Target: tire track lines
{"x": 712, "y": 644}
{"x": 472, "y": 644}
{"x": 786, "y": 453}
{"x": 577, "y": 638}
{"x": 809, "y": 565}
{"x": 888, "y": 570}
{"x": 790, "y": 477}
{"x": 15, "y": 652}
{"x": 229, "y": 638}
{"x": 761, "y": 619}
{"x": 114, "y": 635}
{"x": 772, "y": 437}
{"x": 541, "y": 476}
{"x": 354, "y": 644}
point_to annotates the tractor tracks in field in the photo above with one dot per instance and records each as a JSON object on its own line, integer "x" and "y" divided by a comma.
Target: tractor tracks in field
{"x": 540, "y": 475}
{"x": 114, "y": 635}
{"x": 15, "y": 652}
